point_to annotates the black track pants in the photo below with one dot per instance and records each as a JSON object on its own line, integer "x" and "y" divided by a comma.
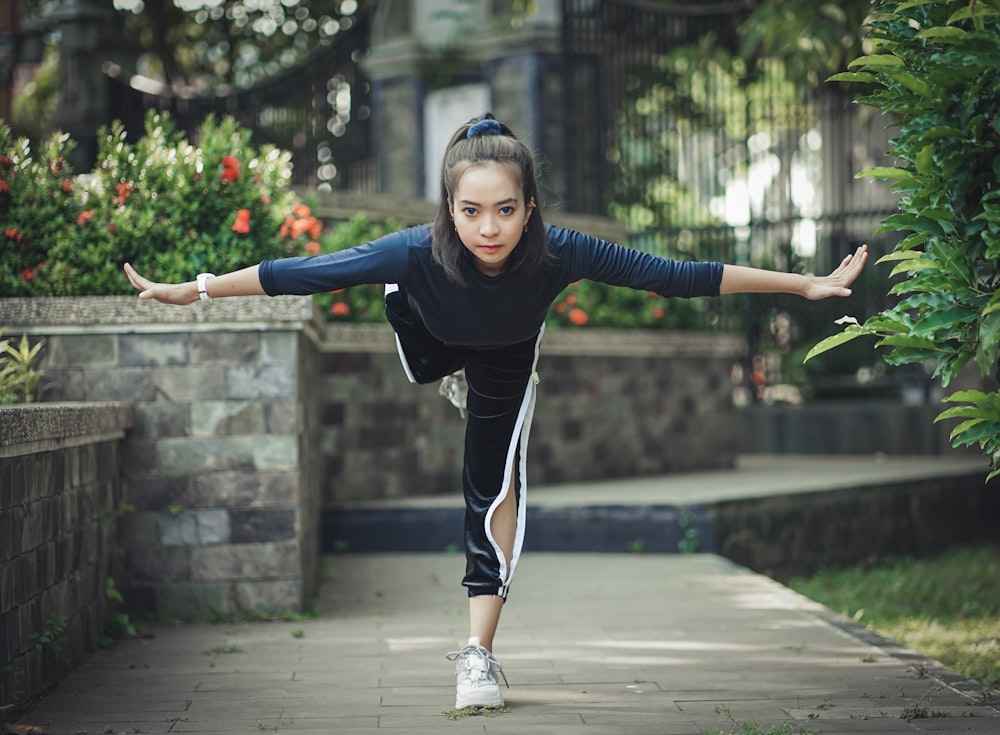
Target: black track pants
{"x": 500, "y": 405}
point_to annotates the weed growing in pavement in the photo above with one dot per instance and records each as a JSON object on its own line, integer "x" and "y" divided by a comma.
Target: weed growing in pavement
{"x": 474, "y": 711}
{"x": 223, "y": 650}
{"x": 743, "y": 727}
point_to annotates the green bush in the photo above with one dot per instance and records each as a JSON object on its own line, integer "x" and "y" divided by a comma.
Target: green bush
{"x": 935, "y": 75}
{"x": 172, "y": 208}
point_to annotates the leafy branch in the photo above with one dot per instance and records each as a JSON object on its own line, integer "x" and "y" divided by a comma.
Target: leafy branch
{"x": 934, "y": 74}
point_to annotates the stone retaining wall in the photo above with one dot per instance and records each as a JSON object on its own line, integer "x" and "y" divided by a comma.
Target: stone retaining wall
{"x": 59, "y": 491}
{"x": 610, "y": 404}
{"x": 219, "y": 462}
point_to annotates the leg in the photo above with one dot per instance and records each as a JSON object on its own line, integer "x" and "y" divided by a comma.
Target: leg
{"x": 484, "y": 610}
{"x": 425, "y": 358}
{"x": 500, "y": 405}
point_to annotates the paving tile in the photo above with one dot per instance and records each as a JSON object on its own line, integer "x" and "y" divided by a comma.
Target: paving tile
{"x": 630, "y": 644}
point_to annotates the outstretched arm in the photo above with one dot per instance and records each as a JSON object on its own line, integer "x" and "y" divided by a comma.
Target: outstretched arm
{"x": 243, "y": 282}
{"x": 741, "y": 279}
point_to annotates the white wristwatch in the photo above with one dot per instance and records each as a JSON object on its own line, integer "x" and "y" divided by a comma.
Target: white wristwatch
{"x": 203, "y": 286}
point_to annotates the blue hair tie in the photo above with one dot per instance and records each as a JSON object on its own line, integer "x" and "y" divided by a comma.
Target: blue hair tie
{"x": 484, "y": 127}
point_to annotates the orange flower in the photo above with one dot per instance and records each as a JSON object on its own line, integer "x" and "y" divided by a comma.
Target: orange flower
{"x": 67, "y": 186}
{"x": 340, "y": 308}
{"x": 230, "y": 169}
{"x": 27, "y": 274}
{"x": 312, "y": 247}
{"x": 578, "y": 317}
{"x": 242, "y": 223}
{"x": 306, "y": 226}
{"x": 571, "y": 299}
{"x": 13, "y": 233}
{"x": 659, "y": 313}
{"x": 85, "y": 216}
{"x": 4, "y": 187}
{"x": 6, "y": 162}
{"x": 265, "y": 199}
{"x": 124, "y": 190}
{"x": 300, "y": 210}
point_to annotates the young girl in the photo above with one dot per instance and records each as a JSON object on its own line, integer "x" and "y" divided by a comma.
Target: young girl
{"x": 470, "y": 293}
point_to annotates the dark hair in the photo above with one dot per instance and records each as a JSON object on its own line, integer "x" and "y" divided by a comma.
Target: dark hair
{"x": 532, "y": 252}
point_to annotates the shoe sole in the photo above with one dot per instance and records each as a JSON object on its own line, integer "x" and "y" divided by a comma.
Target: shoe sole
{"x": 478, "y": 700}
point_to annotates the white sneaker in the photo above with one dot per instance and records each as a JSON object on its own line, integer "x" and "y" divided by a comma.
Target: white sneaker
{"x": 455, "y": 388}
{"x": 476, "y": 672}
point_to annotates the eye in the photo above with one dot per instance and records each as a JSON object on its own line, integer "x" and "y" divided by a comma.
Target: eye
{"x": 469, "y": 211}
{"x": 507, "y": 210}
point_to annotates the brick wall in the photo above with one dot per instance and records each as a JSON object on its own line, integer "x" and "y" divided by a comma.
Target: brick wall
{"x": 59, "y": 474}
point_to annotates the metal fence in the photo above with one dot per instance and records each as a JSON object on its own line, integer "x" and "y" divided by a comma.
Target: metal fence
{"x": 702, "y": 150}
{"x": 318, "y": 110}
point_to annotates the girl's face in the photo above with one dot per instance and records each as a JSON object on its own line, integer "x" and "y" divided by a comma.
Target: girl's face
{"x": 490, "y": 214}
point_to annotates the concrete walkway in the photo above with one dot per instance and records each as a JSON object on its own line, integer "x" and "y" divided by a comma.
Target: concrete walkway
{"x": 630, "y": 644}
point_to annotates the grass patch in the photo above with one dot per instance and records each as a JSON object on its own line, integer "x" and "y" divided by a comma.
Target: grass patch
{"x": 475, "y": 711}
{"x": 947, "y": 607}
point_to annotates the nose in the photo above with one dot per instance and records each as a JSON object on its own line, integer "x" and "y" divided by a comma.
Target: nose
{"x": 488, "y": 227}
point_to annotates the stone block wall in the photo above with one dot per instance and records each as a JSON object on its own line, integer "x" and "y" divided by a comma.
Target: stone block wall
{"x": 216, "y": 464}
{"x": 59, "y": 492}
{"x": 610, "y": 404}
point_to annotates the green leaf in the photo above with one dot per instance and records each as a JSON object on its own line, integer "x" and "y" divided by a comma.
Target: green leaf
{"x": 911, "y": 82}
{"x": 966, "y": 13}
{"x": 853, "y": 76}
{"x": 935, "y": 320}
{"x": 916, "y": 4}
{"x": 962, "y": 412}
{"x": 905, "y": 221}
{"x": 975, "y": 396}
{"x": 835, "y": 340}
{"x": 906, "y": 340}
{"x": 912, "y": 266}
{"x": 877, "y": 61}
{"x": 900, "y": 255}
{"x": 883, "y": 172}
{"x": 964, "y": 428}
{"x": 946, "y": 34}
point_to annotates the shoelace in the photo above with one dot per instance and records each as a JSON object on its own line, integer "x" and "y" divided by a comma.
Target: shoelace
{"x": 483, "y": 656}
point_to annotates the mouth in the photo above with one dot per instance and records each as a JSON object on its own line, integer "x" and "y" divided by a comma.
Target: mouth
{"x": 490, "y": 248}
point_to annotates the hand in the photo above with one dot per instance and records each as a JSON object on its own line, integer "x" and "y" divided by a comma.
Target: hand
{"x": 837, "y": 283}
{"x": 180, "y": 294}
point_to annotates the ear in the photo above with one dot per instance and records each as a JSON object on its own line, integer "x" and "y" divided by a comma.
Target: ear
{"x": 531, "y": 206}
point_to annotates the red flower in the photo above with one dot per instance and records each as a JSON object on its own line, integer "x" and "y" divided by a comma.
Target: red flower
{"x": 124, "y": 189}
{"x": 340, "y": 308}
{"x": 312, "y": 247}
{"x": 6, "y": 162}
{"x": 67, "y": 186}
{"x": 578, "y": 317}
{"x": 242, "y": 223}
{"x": 27, "y": 274}
{"x": 13, "y": 233}
{"x": 85, "y": 216}
{"x": 230, "y": 169}
{"x": 4, "y": 187}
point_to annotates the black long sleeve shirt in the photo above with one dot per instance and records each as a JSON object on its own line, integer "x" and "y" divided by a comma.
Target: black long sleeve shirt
{"x": 487, "y": 311}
